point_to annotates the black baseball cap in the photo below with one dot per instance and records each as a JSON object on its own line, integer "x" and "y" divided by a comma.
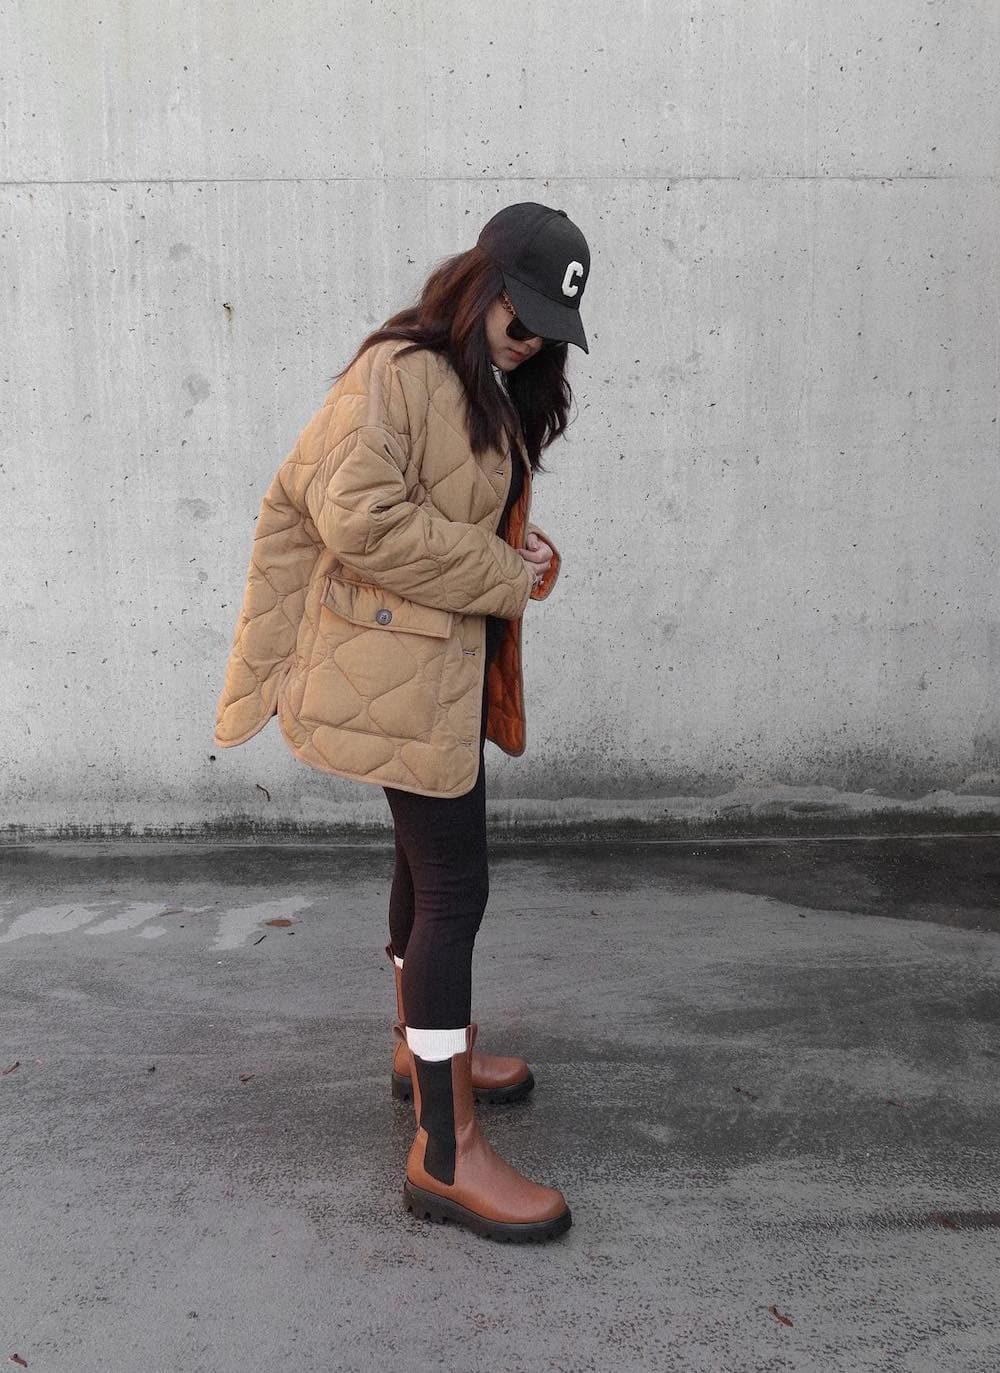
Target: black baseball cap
{"x": 545, "y": 263}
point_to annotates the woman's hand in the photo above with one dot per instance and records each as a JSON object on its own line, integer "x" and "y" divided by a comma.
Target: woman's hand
{"x": 538, "y": 555}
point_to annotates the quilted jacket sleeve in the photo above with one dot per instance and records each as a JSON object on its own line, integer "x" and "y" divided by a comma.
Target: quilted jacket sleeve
{"x": 357, "y": 501}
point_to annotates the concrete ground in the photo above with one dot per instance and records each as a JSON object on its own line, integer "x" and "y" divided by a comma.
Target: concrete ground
{"x": 767, "y": 1081}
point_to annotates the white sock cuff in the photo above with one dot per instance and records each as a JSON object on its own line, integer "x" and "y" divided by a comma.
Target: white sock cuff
{"x": 435, "y": 1045}
{"x": 397, "y": 960}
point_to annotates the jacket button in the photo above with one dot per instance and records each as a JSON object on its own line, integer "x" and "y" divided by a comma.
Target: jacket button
{"x": 383, "y": 617}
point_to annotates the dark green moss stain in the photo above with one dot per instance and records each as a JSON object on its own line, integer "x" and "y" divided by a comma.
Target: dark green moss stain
{"x": 797, "y": 820}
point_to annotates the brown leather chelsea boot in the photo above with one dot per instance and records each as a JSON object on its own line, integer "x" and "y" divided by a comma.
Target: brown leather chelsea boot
{"x": 494, "y": 1078}
{"x": 452, "y": 1173}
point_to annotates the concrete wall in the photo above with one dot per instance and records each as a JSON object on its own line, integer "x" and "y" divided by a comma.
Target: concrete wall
{"x": 778, "y": 507}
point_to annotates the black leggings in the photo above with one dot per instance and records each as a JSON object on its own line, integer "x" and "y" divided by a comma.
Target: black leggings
{"x": 440, "y": 885}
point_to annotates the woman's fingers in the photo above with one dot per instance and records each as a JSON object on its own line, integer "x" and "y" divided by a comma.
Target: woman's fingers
{"x": 539, "y": 547}
{"x": 538, "y": 560}
{"x": 539, "y": 557}
{"x": 537, "y": 570}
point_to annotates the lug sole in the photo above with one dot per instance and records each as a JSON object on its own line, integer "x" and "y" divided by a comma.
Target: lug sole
{"x": 429, "y": 1206}
{"x": 402, "y": 1090}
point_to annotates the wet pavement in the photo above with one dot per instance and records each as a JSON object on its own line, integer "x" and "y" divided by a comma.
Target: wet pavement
{"x": 767, "y": 1081}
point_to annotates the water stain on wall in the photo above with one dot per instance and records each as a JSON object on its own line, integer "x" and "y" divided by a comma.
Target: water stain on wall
{"x": 197, "y": 387}
{"x": 193, "y": 507}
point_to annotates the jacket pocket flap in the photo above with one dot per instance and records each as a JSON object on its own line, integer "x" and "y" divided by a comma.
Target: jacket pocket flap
{"x": 373, "y": 606}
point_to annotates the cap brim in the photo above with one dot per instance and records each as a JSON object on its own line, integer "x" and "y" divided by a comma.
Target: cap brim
{"x": 546, "y": 318}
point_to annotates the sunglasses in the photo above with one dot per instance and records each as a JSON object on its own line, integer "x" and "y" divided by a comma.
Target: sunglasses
{"x": 519, "y": 332}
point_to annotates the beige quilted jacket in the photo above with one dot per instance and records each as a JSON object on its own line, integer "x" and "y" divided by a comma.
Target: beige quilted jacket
{"x": 375, "y": 560}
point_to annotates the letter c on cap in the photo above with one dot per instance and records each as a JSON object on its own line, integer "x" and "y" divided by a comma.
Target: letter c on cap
{"x": 575, "y": 269}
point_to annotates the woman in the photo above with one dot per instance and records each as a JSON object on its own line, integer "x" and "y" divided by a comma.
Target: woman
{"x": 392, "y": 563}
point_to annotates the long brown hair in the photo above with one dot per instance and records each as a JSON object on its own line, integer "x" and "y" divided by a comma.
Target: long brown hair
{"x": 449, "y": 319}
